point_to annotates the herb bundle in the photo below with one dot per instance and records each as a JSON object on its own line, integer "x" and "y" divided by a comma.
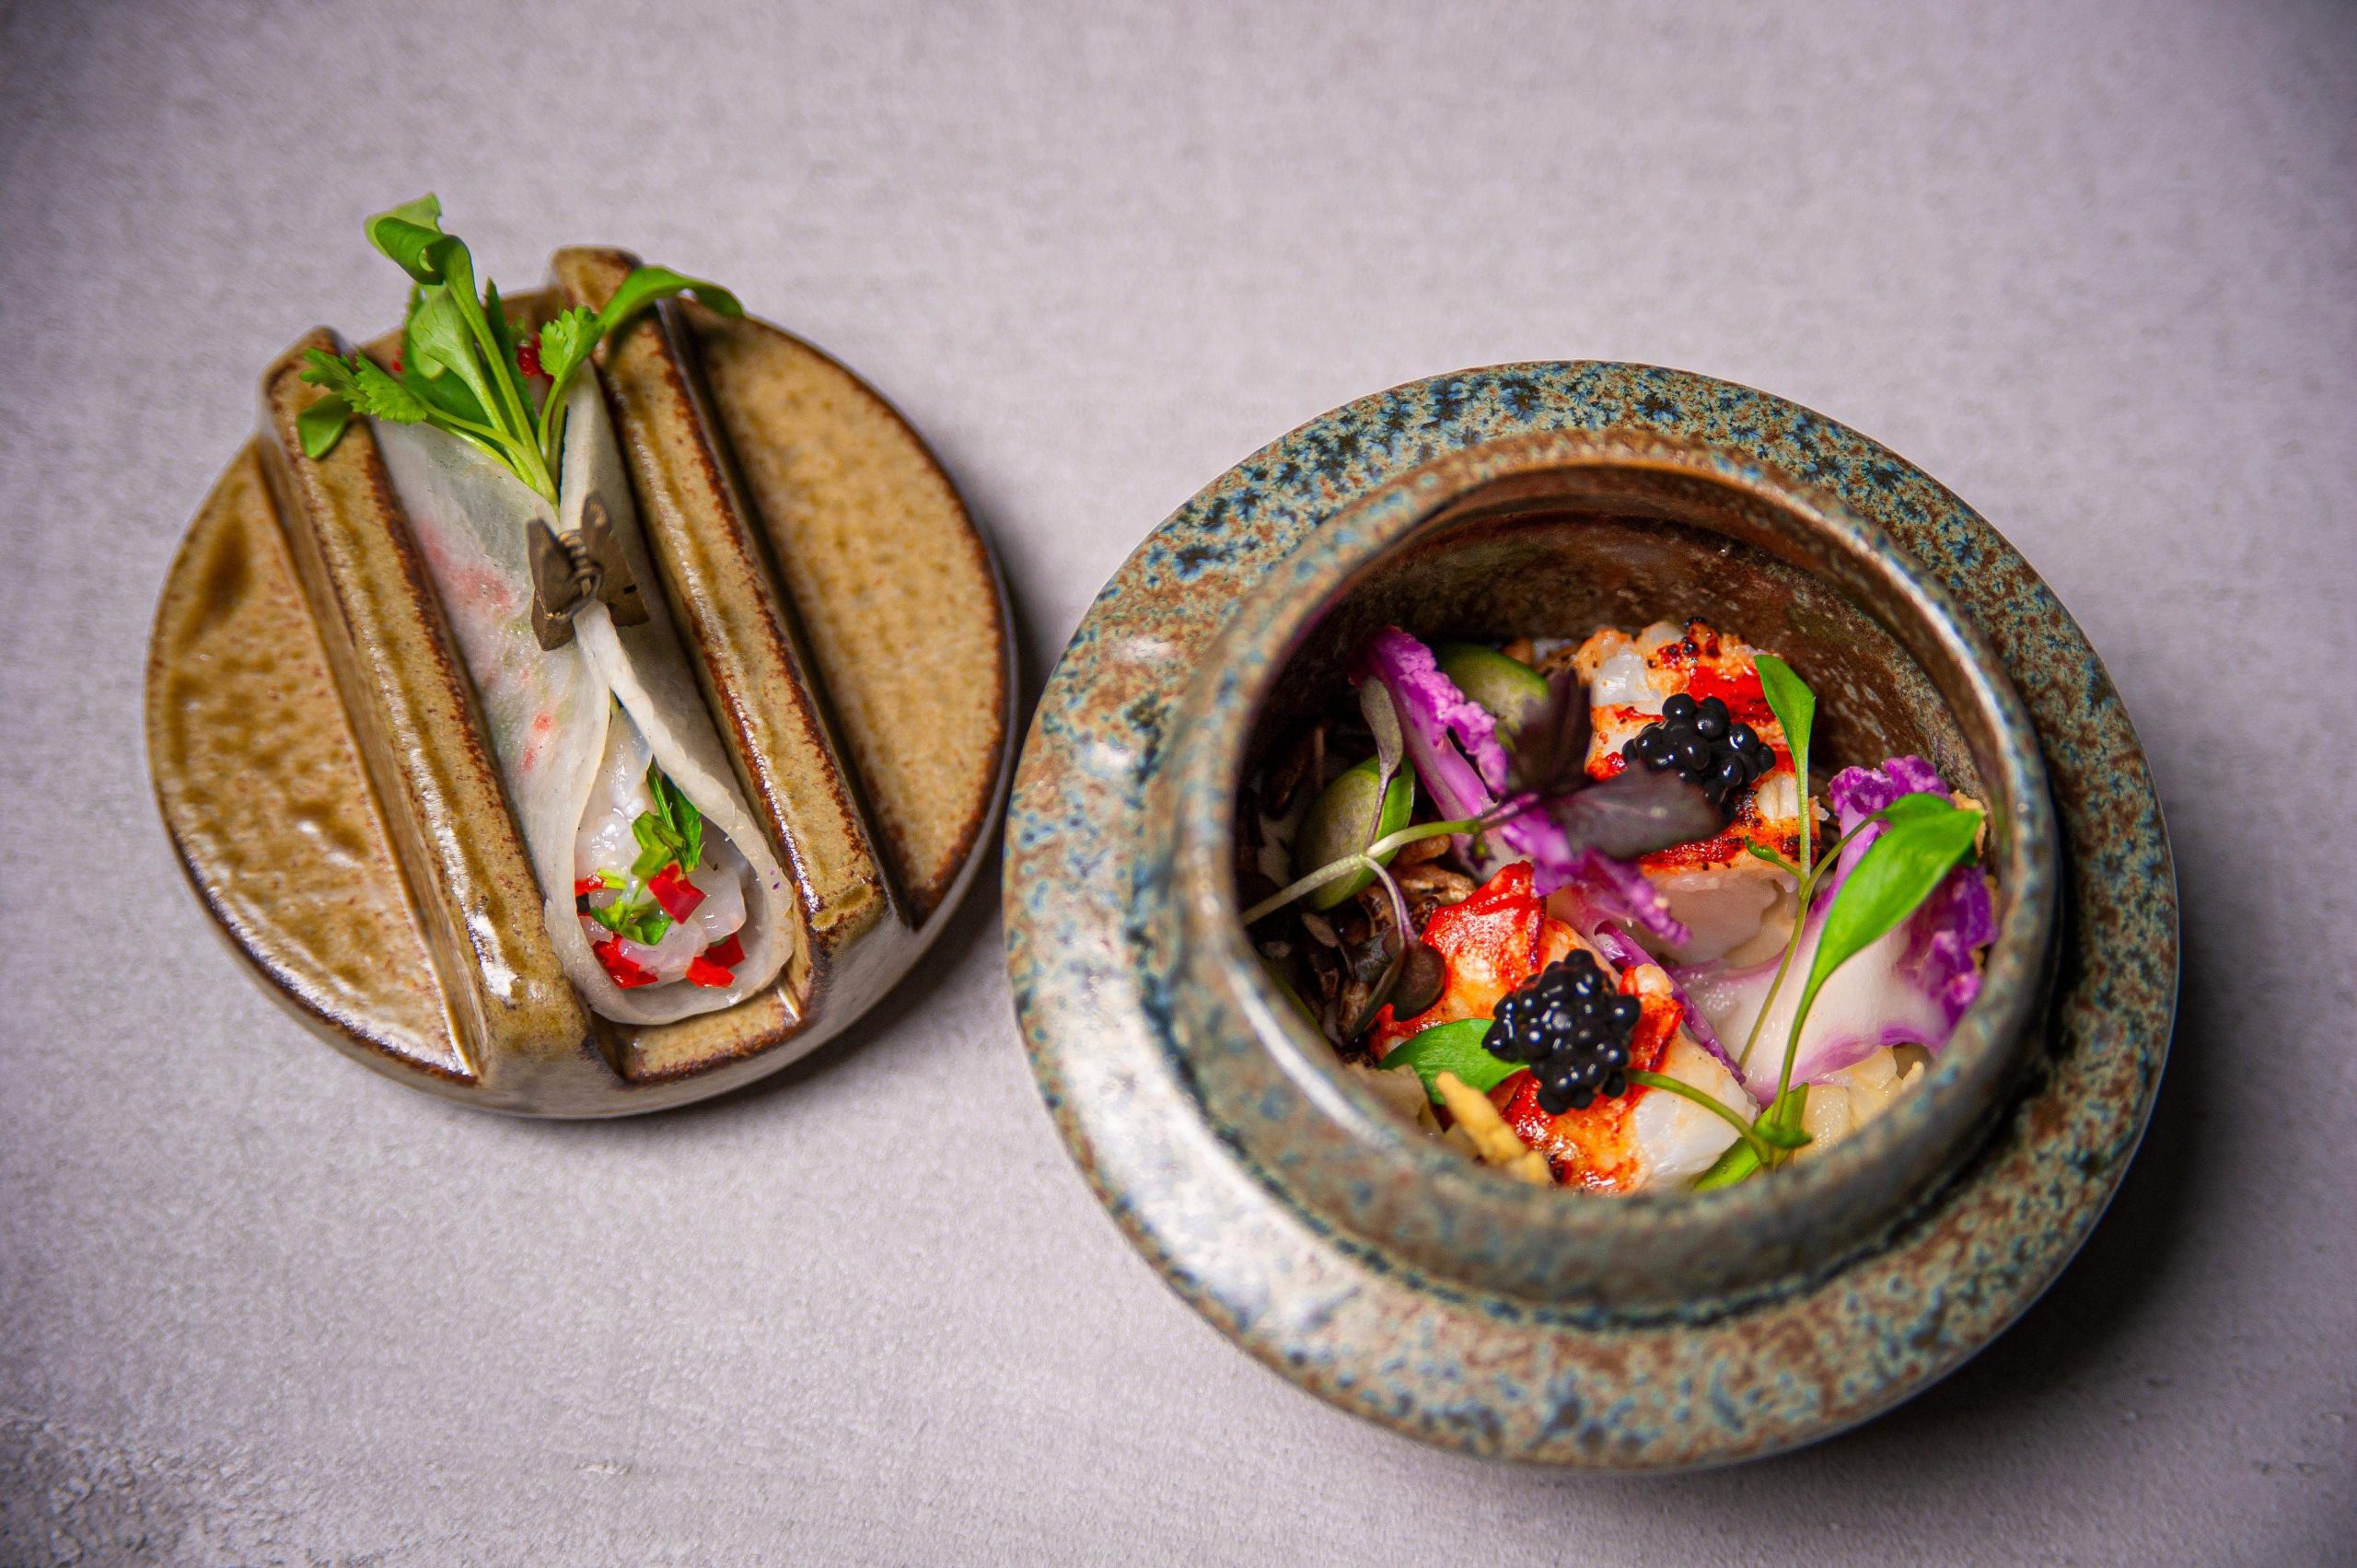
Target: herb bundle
{"x": 462, "y": 368}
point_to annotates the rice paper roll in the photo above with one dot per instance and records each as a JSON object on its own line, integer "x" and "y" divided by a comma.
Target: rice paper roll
{"x": 575, "y": 730}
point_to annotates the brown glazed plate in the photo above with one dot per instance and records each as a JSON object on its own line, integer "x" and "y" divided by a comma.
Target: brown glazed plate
{"x": 1643, "y": 1334}
{"x": 317, "y": 751}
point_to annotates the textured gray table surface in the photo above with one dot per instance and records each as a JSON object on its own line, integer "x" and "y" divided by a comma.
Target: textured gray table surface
{"x": 2097, "y": 269}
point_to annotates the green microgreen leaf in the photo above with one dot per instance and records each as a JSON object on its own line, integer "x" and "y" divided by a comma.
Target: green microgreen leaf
{"x": 405, "y": 234}
{"x": 1795, "y": 706}
{"x": 458, "y": 350}
{"x": 1776, "y": 1130}
{"x": 1452, "y": 1048}
{"x": 495, "y": 370}
{"x": 441, "y": 343}
{"x": 1891, "y": 880}
{"x": 502, "y": 337}
{"x": 646, "y": 285}
{"x": 1741, "y": 1160}
{"x": 1912, "y": 855}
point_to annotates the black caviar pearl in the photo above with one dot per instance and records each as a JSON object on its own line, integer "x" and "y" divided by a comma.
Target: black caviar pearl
{"x": 1702, "y": 743}
{"x": 1571, "y": 1025}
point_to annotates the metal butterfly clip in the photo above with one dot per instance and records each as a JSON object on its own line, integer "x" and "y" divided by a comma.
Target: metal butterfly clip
{"x": 571, "y": 572}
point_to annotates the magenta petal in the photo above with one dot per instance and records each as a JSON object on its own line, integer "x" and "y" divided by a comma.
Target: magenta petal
{"x": 1442, "y": 727}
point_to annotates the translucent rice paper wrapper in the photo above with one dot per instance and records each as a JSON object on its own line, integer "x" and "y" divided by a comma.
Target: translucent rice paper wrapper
{"x": 547, "y": 712}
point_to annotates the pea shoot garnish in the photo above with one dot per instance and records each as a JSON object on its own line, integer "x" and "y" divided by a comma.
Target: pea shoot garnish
{"x": 462, "y": 368}
{"x": 1923, "y": 837}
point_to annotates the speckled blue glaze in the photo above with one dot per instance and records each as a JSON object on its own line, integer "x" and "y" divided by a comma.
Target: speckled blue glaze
{"x": 1487, "y": 1372}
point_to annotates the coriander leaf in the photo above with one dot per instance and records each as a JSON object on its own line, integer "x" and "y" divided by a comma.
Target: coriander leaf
{"x": 565, "y": 341}
{"x": 405, "y": 234}
{"x": 690, "y": 822}
{"x": 333, "y": 372}
{"x": 322, "y": 425}
{"x": 1452, "y": 1048}
{"x": 1795, "y": 706}
{"x": 682, "y": 824}
{"x": 655, "y": 850}
{"x": 646, "y": 285}
{"x": 367, "y": 387}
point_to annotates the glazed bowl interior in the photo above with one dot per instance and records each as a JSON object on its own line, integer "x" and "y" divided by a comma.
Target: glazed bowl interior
{"x": 1558, "y": 536}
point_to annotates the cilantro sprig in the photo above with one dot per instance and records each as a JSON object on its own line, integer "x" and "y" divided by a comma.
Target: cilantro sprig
{"x": 462, "y": 368}
{"x": 638, "y": 917}
{"x": 673, "y": 831}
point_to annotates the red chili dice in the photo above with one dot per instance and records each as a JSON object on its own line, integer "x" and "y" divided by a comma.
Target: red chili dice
{"x": 728, "y": 952}
{"x": 677, "y": 896}
{"x": 702, "y": 971}
{"x": 626, "y": 972}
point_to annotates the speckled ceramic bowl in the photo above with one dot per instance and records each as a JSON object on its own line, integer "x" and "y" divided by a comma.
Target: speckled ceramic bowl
{"x": 1555, "y": 534}
{"x": 1383, "y": 1317}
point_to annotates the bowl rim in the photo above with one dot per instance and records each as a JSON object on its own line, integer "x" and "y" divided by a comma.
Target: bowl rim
{"x": 1907, "y": 1152}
